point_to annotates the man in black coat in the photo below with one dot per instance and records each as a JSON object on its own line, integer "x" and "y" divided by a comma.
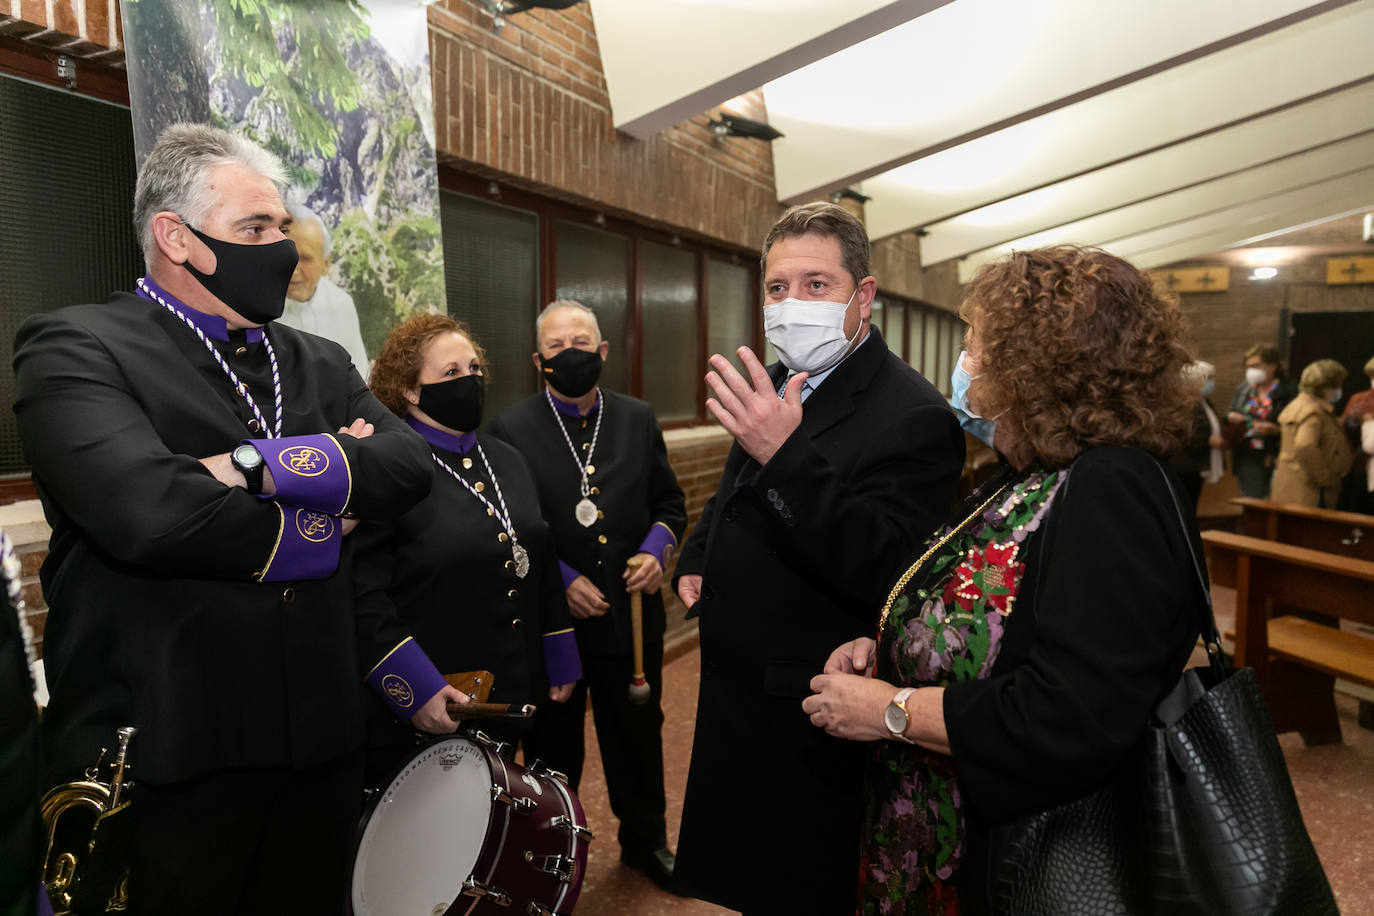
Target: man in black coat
{"x": 610, "y": 497}
{"x": 201, "y": 470}
{"x": 845, "y": 460}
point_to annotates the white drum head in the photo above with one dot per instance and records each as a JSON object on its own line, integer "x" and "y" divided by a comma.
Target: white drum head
{"x": 425, "y": 834}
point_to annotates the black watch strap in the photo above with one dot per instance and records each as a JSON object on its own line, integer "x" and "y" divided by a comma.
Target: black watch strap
{"x": 250, "y": 468}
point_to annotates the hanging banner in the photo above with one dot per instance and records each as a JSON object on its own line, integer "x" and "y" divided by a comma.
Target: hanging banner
{"x": 340, "y": 91}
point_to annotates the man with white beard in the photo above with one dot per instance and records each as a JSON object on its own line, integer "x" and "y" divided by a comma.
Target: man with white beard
{"x": 314, "y": 303}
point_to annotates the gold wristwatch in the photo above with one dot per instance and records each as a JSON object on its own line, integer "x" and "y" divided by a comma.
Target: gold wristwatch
{"x": 896, "y": 718}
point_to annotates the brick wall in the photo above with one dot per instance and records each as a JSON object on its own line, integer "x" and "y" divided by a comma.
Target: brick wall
{"x": 698, "y": 457}
{"x": 529, "y": 106}
{"x": 88, "y": 29}
{"x": 1222, "y": 326}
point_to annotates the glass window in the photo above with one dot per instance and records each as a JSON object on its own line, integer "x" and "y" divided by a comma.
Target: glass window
{"x": 930, "y": 343}
{"x": 941, "y": 378}
{"x": 915, "y": 336}
{"x": 731, "y": 298}
{"x": 669, "y": 330}
{"x": 594, "y": 268}
{"x": 491, "y": 273}
{"x": 895, "y": 330}
{"x": 879, "y": 315}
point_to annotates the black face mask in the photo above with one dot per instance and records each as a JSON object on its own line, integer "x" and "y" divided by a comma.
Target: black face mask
{"x": 573, "y": 372}
{"x": 455, "y": 403}
{"x": 250, "y": 279}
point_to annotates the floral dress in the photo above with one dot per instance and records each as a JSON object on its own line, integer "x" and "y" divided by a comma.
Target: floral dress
{"x": 943, "y": 622}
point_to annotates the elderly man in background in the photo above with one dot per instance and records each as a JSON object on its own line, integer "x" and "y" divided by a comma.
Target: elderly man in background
{"x": 610, "y": 497}
{"x": 314, "y": 302}
{"x": 201, "y": 467}
{"x": 845, "y": 459}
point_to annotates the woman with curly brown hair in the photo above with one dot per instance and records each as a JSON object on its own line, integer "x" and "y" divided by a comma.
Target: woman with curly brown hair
{"x": 1020, "y": 656}
{"x": 468, "y": 577}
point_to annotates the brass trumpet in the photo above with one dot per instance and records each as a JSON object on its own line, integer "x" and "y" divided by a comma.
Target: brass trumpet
{"x": 69, "y": 878}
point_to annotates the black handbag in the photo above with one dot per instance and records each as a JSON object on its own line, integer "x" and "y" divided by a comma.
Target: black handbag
{"x": 1202, "y": 821}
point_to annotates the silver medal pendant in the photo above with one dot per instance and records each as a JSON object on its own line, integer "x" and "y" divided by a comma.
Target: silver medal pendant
{"x": 522, "y": 560}
{"x": 585, "y": 512}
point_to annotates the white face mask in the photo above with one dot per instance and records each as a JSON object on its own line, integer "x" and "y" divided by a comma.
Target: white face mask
{"x": 1254, "y": 377}
{"x": 809, "y": 334}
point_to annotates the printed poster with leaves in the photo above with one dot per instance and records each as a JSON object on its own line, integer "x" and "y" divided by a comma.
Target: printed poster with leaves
{"x": 340, "y": 91}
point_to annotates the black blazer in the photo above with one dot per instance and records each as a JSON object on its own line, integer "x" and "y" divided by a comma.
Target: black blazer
{"x": 637, "y": 489}
{"x": 154, "y": 617}
{"x": 797, "y": 556}
{"x": 439, "y": 573}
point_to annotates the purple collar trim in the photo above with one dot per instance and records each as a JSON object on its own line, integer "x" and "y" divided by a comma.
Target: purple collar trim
{"x": 440, "y": 439}
{"x": 211, "y": 325}
{"x": 570, "y": 410}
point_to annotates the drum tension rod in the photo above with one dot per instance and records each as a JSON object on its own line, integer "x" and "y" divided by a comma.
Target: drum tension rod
{"x": 538, "y": 909}
{"x": 560, "y": 866}
{"x": 540, "y": 768}
{"x": 563, "y": 822}
{"x": 522, "y": 805}
{"x": 474, "y": 888}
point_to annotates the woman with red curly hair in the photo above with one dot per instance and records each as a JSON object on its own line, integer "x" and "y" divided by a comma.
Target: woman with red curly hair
{"x": 467, "y": 580}
{"x": 1019, "y": 658}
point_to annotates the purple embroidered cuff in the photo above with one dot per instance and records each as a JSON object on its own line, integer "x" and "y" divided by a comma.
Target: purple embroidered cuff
{"x": 561, "y": 661}
{"x": 661, "y": 542}
{"x": 307, "y": 546}
{"x": 568, "y": 574}
{"x": 310, "y": 471}
{"x": 406, "y": 679}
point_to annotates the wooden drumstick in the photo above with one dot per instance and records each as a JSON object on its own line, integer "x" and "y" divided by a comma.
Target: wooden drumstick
{"x": 458, "y": 711}
{"x": 639, "y": 687}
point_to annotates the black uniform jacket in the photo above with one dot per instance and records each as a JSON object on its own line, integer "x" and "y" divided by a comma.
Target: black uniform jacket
{"x": 440, "y": 573}
{"x": 155, "y": 619}
{"x": 798, "y": 555}
{"x": 635, "y": 489}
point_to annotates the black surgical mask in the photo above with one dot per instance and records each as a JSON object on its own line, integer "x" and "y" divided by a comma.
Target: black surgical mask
{"x": 455, "y": 403}
{"x": 250, "y": 279}
{"x": 573, "y": 372}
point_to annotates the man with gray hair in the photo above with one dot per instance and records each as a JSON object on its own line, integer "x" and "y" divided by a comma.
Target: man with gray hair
{"x": 201, "y": 468}
{"x": 611, "y": 499}
{"x": 314, "y": 302}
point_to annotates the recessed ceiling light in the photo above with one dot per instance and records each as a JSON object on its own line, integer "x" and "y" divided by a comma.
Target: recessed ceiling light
{"x": 1264, "y": 273}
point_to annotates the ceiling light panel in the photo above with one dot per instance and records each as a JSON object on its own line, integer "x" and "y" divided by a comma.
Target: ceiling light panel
{"x": 969, "y": 66}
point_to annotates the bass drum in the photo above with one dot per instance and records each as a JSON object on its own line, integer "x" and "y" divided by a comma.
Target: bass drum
{"x": 461, "y": 830}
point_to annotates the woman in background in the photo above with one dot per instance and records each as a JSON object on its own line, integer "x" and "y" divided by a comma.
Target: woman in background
{"x": 1255, "y": 409}
{"x": 1200, "y": 460}
{"x": 1358, "y": 420}
{"x": 1314, "y": 454}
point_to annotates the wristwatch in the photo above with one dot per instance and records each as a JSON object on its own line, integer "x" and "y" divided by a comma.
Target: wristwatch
{"x": 896, "y": 718}
{"x": 248, "y": 461}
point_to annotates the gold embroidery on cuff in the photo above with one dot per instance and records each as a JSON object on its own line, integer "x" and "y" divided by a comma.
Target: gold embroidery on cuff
{"x": 281, "y": 530}
{"x": 385, "y": 657}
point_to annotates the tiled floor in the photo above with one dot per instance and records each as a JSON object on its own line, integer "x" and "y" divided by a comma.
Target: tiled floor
{"x": 1334, "y": 784}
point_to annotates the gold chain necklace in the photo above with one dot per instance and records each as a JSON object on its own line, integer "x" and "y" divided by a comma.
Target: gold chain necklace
{"x": 911, "y": 570}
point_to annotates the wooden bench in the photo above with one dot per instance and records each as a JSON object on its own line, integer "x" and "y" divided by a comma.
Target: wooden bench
{"x": 1307, "y": 655}
{"x": 1346, "y": 533}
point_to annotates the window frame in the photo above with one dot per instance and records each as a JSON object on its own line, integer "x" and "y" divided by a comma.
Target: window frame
{"x": 550, "y": 211}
